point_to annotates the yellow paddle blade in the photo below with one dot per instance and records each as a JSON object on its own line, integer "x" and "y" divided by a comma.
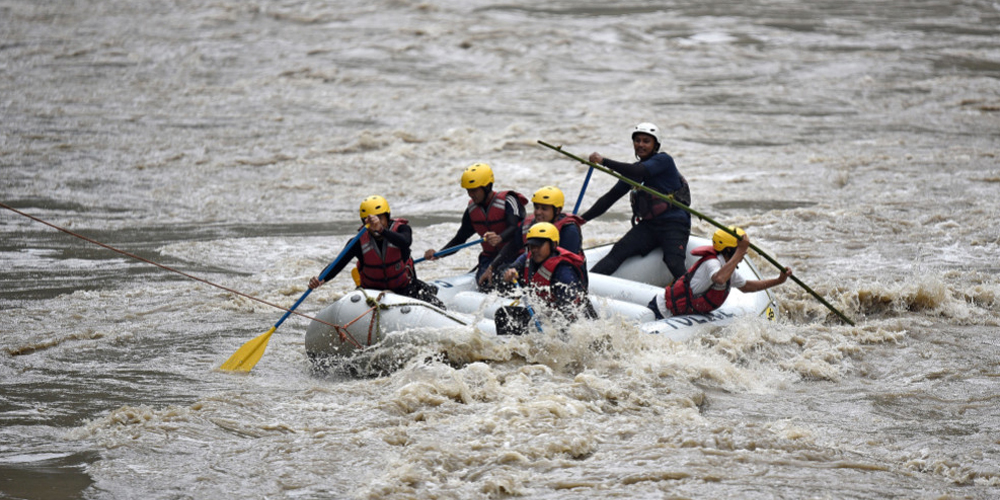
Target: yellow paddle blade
{"x": 357, "y": 276}
{"x": 245, "y": 357}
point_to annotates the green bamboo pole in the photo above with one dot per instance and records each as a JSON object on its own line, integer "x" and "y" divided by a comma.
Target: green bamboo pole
{"x": 670, "y": 199}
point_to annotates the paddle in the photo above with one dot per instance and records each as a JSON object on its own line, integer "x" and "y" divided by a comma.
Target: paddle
{"x": 670, "y": 199}
{"x": 356, "y": 275}
{"x": 246, "y": 357}
{"x": 531, "y": 312}
{"x": 448, "y": 251}
{"x": 513, "y": 320}
{"x": 579, "y": 199}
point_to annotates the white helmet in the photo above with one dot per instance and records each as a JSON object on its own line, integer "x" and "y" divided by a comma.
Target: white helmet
{"x": 648, "y": 129}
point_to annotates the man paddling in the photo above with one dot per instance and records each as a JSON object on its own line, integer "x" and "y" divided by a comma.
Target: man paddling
{"x": 706, "y": 285}
{"x": 383, "y": 254}
{"x": 494, "y": 215}
{"x": 655, "y": 223}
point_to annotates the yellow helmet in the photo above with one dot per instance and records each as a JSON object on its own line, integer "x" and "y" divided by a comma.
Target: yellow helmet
{"x": 373, "y": 205}
{"x": 543, "y": 230}
{"x": 722, "y": 240}
{"x": 549, "y": 195}
{"x": 477, "y": 175}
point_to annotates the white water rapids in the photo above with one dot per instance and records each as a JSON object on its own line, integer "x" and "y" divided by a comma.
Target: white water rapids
{"x": 855, "y": 141}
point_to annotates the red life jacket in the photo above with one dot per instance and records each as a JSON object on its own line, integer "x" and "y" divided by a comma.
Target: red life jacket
{"x": 541, "y": 279}
{"x": 562, "y": 221}
{"x": 494, "y": 218}
{"x": 384, "y": 272}
{"x": 679, "y": 298}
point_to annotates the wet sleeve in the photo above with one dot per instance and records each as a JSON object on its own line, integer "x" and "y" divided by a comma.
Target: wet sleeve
{"x": 464, "y": 232}
{"x": 402, "y": 238}
{"x": 514, "y": 216}
{"x": 701, "y": 280}
{"x": 571, "y": 238}
{"x": 737, "y": 280}
{"x": 604, "y": 202}
{"x": 508, "y": 251}
{"x": 353, "y": 253}
{"x": 634, "y": 171}
{"x": 566, "y": 286}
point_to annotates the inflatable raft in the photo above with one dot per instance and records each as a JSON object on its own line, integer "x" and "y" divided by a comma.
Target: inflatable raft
{"x": 367, "y": 318}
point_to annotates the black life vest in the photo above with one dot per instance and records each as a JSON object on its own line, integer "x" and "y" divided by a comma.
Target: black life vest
{"x": 645, "y": 206}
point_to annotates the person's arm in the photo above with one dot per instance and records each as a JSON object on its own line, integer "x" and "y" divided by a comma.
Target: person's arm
{"x": 513, "y": 216}
{"x": 661, "y": 174}
{"x": 512, "y": 271}
{"x": 723, "y": 274}
{"x": 354, "y": 252}
{"x": 464, "y": 232}
{"x": 604, "y": 202}
{"x": 634, "y": 171}
{"x": 758, "y": 285}
{"x": 566, "y": 287}
{"x": 402, "y": 237}
{"x": 571, "y": 238}
{"x": 508, "y": 251}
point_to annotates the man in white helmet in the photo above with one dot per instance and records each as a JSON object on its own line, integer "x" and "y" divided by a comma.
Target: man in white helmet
{"x": 655, "y": 223}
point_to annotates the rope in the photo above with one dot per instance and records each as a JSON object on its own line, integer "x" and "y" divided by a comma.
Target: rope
{"x": 161, "y": 266}
{"x": 376, "y": 306}
{"x": 374, "y": 302}
{"x": 345, "y": 335}
{"x": 376, "y": 322}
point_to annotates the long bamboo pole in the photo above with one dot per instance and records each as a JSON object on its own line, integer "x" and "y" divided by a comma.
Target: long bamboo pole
{"x": 670, "y": 199}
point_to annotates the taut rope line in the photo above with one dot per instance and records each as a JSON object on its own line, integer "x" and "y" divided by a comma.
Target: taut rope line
{"x": 161, "y": 266}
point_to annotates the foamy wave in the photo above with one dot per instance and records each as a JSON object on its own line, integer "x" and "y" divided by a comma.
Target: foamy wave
{"x": 929, "y": 295}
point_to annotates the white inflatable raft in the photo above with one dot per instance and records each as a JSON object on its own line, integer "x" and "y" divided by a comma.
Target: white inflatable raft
{"x": 366, "y": 318}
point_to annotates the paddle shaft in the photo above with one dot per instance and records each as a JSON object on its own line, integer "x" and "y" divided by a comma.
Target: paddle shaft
{"x": 328, "y": 268}
{"x": 448, "y": 251}
{"x": 579, "y": 199}
{"x": 294, "y": 307}
{"x": 531, "y": 312}
{"x": 250, "y": 353}
{"x": 670, "y": 199}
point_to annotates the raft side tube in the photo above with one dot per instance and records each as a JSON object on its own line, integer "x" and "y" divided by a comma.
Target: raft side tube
{"x": 394, "y": 313}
